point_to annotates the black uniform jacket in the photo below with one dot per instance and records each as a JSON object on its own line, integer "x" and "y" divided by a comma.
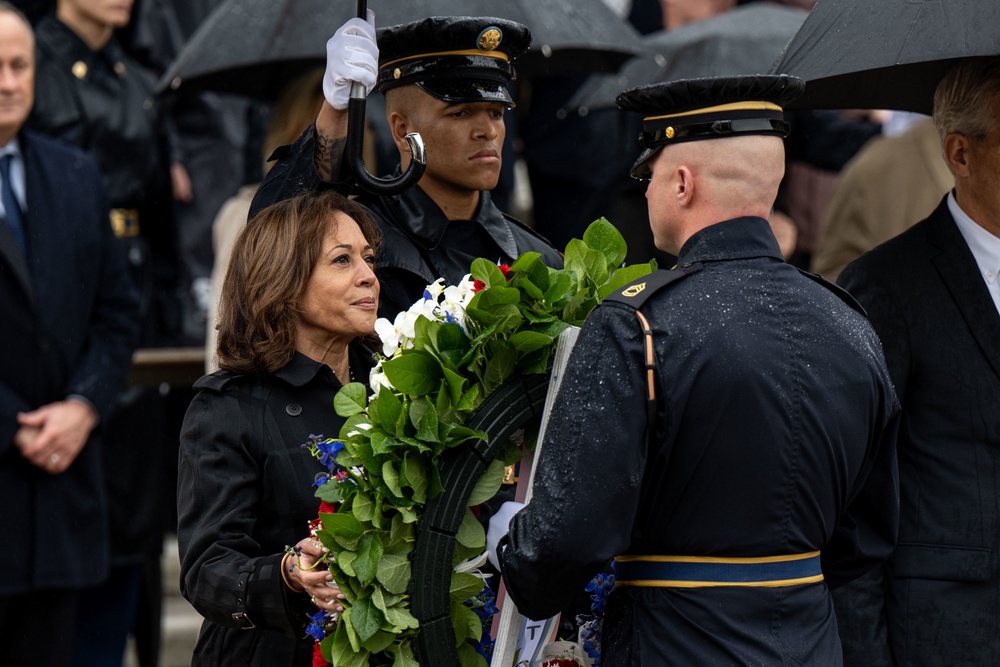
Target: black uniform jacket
{"x": 245, "y": 492}
{"x": 420, "y": 243}
{"x": 102, "y": 102}
{"x": 774, "y": 435}
{"x": 937, "y": 600}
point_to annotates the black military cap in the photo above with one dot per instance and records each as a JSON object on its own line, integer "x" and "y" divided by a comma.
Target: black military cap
{"x": 712, "y": 108}
{"x": 454, "y": 58}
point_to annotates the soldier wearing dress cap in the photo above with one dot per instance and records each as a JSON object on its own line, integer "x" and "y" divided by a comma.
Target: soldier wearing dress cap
{"x": 447, "y": 79}
{"x": 733, "y": 449}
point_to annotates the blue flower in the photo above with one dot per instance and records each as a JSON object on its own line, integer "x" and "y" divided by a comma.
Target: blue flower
{"x": 329, "y": 450}
{"x": 315, "y": 629}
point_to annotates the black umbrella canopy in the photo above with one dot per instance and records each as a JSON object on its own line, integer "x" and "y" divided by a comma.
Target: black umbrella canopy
{"x": 254, "y": 47}
{"x": 744, "y": 40}
{"x": 886, "y": 54}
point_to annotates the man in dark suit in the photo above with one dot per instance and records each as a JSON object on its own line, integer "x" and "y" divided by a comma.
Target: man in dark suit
{"x": 933, "y": 297}
{"x": 69, "y": 328}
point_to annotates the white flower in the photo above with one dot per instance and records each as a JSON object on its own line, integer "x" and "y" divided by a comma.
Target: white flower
{"x": 435, "y": 289}
{"x": 472, "y": 566}
{"x": 388, "y": 335}
{"x": 377, "y": 380}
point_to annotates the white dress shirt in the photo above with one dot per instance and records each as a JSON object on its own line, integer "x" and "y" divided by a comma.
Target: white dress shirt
{"x": 985, "y": 248}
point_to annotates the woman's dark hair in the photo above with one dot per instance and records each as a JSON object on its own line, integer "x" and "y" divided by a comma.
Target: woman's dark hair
{"x": 272, "y": 261}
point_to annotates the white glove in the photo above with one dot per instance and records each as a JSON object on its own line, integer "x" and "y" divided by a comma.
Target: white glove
{"x": 351, "y": 55}
{"x": 499, "y": 526}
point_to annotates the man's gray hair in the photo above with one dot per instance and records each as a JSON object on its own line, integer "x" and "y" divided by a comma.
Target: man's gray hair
{"x": 962, "y": 99}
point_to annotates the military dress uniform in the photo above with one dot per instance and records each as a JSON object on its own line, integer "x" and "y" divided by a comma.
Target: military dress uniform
{"x": 751, "y": 474}
{"x": 468, "y": 63}
{"x": 101, "y": 101}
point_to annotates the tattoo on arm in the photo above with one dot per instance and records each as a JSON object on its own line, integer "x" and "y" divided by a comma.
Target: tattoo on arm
{"x": 329, "y": 155}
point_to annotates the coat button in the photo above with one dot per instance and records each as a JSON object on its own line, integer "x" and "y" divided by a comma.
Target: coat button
{"x": 293, "y": 409}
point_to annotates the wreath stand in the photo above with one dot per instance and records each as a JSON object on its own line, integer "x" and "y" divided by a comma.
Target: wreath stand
{"x": 507, "y": 409}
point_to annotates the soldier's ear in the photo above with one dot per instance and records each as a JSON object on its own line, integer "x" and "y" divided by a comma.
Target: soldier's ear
{"x": 684, "y": 185}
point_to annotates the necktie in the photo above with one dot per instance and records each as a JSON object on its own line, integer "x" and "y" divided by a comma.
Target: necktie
{"x": 12, "y": 211}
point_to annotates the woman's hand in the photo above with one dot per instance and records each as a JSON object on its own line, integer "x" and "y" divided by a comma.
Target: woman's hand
{"x": 303, "y": 574}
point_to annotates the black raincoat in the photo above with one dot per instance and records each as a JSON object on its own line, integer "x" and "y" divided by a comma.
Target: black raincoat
{"x": 774, "y": 434}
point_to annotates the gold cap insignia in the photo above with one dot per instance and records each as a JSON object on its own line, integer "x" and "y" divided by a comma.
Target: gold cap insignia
{"x": 670, "y": 132}
{"x": 120, "y": 68}
{"x": 79, "y": 69}
{"x": 634, "y": 290}
{"x": 490, "y": 38}
{"x": 396, "y": 73}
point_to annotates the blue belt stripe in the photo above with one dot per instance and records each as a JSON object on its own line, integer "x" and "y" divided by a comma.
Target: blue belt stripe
{"x": 711, "y": 572}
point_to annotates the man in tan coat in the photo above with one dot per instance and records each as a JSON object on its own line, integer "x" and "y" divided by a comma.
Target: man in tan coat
{"x": 891, "y": 184}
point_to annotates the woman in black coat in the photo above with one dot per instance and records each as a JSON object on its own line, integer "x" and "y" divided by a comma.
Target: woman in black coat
{"x": 298, "y": 303}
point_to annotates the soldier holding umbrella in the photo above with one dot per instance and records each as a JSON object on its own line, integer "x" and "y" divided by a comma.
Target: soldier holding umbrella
{"x": 445, "y": 78}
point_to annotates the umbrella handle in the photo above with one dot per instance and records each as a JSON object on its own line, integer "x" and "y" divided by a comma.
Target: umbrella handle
{"x": 355, "y": 144}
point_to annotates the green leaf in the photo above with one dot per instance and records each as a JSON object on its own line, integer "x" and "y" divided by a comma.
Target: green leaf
{"x": 351, "y": 399}
{"x": 468, "y": 657}
{"x": 488, "y": 484}
{"x": 369, "y": 553}
{"x": 469, "y": 400}
{"x": 455, "y": 383}
{"x": 401, "y": 618}
{"x": 393, "y": 572}
{"x": 494, "y": 298}
{"x": 379, "y": 642}
{"x": 424, "y": 416}
{"x": 415, "y": 474}
{"x": 622, "y": 277}
{"x": 560, "y": 283}
{"x": 488, "y": 272}
{"x": 346, "y": 619}
{"x": 529, "y": 341}
{"x": 400, "y": 530}
{"x": 391, "y": 478}
{"x": 381, "y": 443}
{"x": 451, "y": 344}
{"x": 465, "y": 586}
{"x": 416, "y": 373}
{"x": 363, "y": 507}
{"x": 525, "y": 262}
{"x": 602, "y": 236}
{"x": 466, "y": 624}
{"x": 471, "y": 533}
{"x": 388, "y": 408}
{"x": 334, "y": 491}
{"x": 499, "y": 368}
{"x": 404, "y": 656}
{"x": 345, "y": 650}
{"x": 529, "y": 288}
{"x": 535, "y": 362}
{"x": 345, "y": 561}
{"x": 366, "y": 619}
{"x": 344, "y": 525}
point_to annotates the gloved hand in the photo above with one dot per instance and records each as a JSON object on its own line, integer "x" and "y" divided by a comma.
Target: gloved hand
{"x": 351, "y": 55}
{"x": 499, "y": 526}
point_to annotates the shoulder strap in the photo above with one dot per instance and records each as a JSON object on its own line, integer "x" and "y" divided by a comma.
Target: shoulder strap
{"x": 635, "y": 295}
{"x": 843, "y": 294}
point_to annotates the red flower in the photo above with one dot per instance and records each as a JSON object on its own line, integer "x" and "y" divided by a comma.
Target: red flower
{"x": 504, "y": 268}
{"x": 318, "y": 659}
{"x": 478, "y": 285}
{"x": 327, "y": 508}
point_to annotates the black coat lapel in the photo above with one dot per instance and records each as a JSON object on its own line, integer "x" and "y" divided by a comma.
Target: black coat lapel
{"x": 960, "y": 274}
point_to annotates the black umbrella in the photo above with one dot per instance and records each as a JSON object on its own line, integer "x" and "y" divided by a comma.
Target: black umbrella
{"x": 745, "y": 40}
{"x": 254, "y": 47}
{"x": 886, "y": 54}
